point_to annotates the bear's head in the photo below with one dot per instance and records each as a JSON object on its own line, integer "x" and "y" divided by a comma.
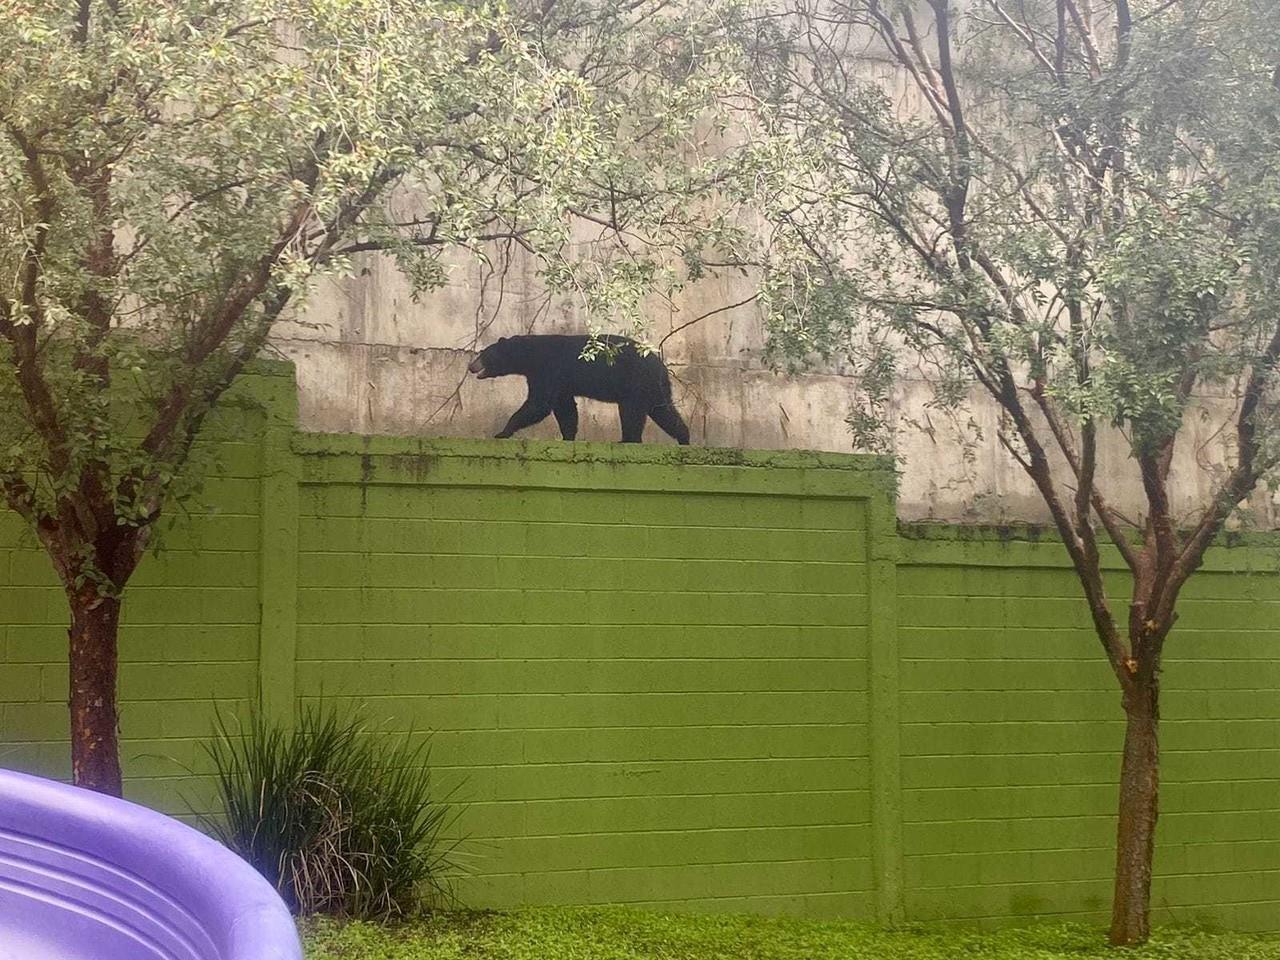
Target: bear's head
{"x": 496, "y": 360}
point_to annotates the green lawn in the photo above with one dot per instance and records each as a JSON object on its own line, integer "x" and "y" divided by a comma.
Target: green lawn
{"x": 599, "y": 934}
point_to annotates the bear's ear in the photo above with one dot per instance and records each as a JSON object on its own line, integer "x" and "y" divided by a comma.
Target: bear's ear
{"x": 502, "y": 339}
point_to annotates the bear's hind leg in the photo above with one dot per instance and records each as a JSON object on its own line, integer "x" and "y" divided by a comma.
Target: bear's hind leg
{"x": 566, "y": 411}
{"x": 632, "y": 415}
{"x": 666, "y": 416}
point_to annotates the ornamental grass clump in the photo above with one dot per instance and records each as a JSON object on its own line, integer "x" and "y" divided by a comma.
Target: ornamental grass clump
{"x": 338, "y": 816}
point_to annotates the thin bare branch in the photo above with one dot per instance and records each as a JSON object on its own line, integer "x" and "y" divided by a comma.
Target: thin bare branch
{"x": 710, "y": 313}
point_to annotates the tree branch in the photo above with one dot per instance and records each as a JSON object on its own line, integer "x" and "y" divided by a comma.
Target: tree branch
{"x": 367, "y": 246}
{"x": 213, "y": 333}
{"x": 889, "y": 34}
{"x": 82, "y": 21}
{"x": 1088, "y": 568}
{"x": 21, "y": 332}
{"x": 1028, "y": 40}
{"x": 709, "y": 313}
{"x": 1124, "y": 33}
{"x": 1238, "y": 484}
{"x": 1085, "y": 29}
{"x": 1111, "y": 519}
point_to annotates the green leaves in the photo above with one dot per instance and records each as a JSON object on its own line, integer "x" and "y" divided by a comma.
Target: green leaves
{"x": 1103, "y": 223}
{"x": 342, "y": 817}
{"x": 177, "y": 176}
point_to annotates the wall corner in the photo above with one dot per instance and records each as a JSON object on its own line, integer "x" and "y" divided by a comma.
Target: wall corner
{"x": 278, "y": 547}
{"x": 885, "y": 729}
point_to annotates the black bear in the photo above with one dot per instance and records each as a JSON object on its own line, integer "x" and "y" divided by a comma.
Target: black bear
{"x": 556, "y": 373}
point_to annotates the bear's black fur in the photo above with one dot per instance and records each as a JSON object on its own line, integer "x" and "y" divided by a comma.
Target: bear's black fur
{"x": 556, "y": 373}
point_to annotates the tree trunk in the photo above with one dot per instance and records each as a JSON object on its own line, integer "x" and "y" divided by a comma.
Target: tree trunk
{"x": 1139, "y": 796}
{"x": 95, "y": 746}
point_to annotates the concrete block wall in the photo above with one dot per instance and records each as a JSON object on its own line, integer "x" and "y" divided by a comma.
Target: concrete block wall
{"x": 690, "y": 678}
{"x": 648, "y": 677}
{"x": 1011, "y": 729}
{"x": 374, "y": 359}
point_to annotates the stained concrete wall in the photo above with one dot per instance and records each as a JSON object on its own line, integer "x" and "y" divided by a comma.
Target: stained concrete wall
{"x": 371, "y": 359}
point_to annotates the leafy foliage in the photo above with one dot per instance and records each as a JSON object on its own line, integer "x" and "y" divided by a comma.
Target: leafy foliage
{"x": 340, "y": 817}
{"x": 175, "y": 176}
{"x": 612, "y": 934}
{"x": 1068, "y": 210}
{"x": 1098, "y": 218}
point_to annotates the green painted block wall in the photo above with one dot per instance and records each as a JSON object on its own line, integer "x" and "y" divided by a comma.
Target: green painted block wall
{"x": 1012, "y": 729}
{"x": 656, "y": 697}
{"x": 689, "y": 679}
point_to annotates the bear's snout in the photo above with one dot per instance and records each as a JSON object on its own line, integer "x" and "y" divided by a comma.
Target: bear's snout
{"x": 477, "y": 367}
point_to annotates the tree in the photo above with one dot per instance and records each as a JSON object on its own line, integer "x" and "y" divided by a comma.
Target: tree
{"x": 174, "y": 174}
{"x": 1077, "y": 216}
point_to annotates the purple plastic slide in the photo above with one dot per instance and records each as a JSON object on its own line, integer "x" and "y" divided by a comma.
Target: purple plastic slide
{"x": 88, "y": 877}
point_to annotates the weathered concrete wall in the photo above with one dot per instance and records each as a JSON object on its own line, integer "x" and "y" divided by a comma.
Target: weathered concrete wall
{"x": 371, "y": 360}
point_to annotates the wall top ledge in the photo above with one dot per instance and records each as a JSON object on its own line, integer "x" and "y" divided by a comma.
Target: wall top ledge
{"x": 559, "y": 451}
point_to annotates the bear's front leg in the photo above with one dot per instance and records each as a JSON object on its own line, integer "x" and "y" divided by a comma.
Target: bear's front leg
{"x": 531, "y": 411}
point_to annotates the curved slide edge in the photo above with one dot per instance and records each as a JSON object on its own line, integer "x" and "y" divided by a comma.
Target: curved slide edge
{"x": 89, "y": 877}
